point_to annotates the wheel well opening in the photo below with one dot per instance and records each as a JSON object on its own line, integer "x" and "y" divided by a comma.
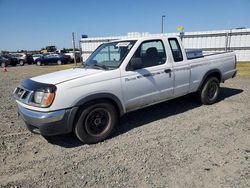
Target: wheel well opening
{"x": 113, "y": 103}
{"x": 215, "y": 74}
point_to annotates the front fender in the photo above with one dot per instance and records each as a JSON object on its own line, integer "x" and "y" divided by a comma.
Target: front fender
{"x": 99, "y": 96}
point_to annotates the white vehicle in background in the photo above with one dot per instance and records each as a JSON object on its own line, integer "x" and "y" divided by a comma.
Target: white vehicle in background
{"x": 71, "y": 55}
{"x": 36, "y": 56}
{"x": 119, "y": 77}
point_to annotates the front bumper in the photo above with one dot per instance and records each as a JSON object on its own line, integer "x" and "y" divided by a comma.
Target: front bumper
{"x": 48, "y": 123}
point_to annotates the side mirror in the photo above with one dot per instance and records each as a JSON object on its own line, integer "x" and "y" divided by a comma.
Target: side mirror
{"x": 136, "y": 63}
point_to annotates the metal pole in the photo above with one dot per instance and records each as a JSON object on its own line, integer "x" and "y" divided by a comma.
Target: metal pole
{"x": 230, "y": 35}
{"x": 163, "y": 16}
{"x": 226, "y": 43}
{"x": 181, "y": 35}
{"x": 80, "y": 48}
{"x": 73, "y": 41}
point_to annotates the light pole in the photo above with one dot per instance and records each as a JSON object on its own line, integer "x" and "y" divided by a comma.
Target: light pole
{"x": 163, "y": 16}
{"x": 73, "y": 42}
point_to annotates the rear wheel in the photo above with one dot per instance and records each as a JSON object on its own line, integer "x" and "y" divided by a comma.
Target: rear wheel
{"x": 59, "y": 62}
{"x": 96, "y": 123}
{"x": 210, "y": 91}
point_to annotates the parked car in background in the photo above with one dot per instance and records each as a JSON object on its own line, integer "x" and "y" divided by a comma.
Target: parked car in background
{"x": 24, "y": 58}
{"x": 12, "y": 60}
{"x": 36, "y": 56}
{"x": 71, "y": 55}
{"x": 52, "y": 58}
{"x": 4, "y": 62}
{"x": 47, "y": 49}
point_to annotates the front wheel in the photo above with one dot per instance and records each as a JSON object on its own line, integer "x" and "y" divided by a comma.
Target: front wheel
{"x": 21, "y": 63}
{"x": 59, "y": 62}
{"x": 3, "y": 64}
{"x": 210, "y": 91}
{"x": 96, "y": 123}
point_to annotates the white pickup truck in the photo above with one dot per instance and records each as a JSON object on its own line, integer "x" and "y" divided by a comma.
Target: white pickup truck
{"x": 119, "y": 77}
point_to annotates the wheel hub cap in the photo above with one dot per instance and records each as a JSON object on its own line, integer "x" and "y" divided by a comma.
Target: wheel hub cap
{"x": 97, "y": 121}
{"x": 212, "y": 90}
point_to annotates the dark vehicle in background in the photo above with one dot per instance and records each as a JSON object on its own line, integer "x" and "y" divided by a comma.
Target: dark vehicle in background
{"x": 12, "y": 60}
{"x": 51, "y": 59}
{"x": 24, "y": 58}
{"x": 4, "y": 62}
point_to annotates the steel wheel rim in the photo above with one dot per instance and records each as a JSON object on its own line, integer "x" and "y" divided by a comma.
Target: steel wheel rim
{"x": 212, "y": 90}
{"x": 97, "y": 121}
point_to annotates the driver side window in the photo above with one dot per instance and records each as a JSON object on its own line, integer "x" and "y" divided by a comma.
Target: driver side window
{"x": 151, "y": 53}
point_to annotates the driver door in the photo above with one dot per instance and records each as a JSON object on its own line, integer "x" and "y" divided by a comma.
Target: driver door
{"x": 152, "y": 82}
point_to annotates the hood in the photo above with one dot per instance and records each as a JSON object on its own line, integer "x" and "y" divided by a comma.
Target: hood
{"x": 65, "y": 75}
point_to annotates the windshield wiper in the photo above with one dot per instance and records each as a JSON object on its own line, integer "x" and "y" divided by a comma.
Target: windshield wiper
{"x": 83, "y": 65}
{"x": 98, "y": 66}
{"x": 104, "y": 67}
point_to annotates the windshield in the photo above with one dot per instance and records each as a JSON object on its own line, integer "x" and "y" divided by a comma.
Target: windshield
{"x": 109, "y": 55}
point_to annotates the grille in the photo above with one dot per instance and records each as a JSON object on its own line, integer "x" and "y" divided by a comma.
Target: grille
{"x": 22, "y": 94}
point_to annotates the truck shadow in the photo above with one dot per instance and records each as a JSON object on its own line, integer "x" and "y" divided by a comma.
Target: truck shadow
{"x": 147, "y": 115}
{"x": 166, "y": 109}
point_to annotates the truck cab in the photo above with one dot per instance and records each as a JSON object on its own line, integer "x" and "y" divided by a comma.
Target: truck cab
{"x": 150, "y": 69}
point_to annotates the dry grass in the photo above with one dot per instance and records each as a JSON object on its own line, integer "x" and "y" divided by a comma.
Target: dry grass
{"x": 243, "y": 69}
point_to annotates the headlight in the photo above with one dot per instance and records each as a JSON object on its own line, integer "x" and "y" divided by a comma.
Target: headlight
{"x": 43, "y": 99}
{"x": 38, "y": 97}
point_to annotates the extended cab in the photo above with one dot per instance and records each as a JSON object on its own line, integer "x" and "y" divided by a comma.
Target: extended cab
{"x": 119, "y": 77}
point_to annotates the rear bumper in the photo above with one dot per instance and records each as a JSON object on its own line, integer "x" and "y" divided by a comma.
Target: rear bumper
{"x": 48, "y": 123}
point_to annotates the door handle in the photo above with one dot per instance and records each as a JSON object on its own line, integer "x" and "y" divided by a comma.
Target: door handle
{"x": 168, "y": 71}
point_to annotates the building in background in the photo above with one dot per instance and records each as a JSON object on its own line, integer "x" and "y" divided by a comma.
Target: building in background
{"x": 237, "y": 40}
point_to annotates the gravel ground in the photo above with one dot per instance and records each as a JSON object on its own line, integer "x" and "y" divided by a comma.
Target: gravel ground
{"x": 174, "y": 144}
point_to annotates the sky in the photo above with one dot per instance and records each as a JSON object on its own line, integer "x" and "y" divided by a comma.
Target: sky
{"x": 33, "y": 24}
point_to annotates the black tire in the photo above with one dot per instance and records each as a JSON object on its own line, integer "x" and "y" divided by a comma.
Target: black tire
{"x": 13, "y": 64}
{"x": 210, "y": 91}
{"x": 96, "y": 122}
{"x": 21, "y": 63}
